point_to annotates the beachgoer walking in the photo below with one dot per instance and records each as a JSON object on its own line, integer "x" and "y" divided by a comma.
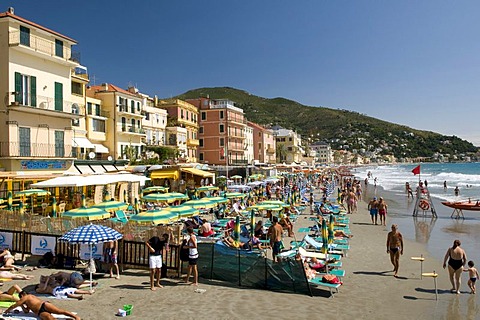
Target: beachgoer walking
{"x": 456, "y": 258}
{"x": 382, "y": 211}
{"x": 373, "y": 208}
{"x": 395, "y": 248}
{"x": 43, "y": 309}
{"x": 351, "y": 199}
{"x": 472, "y": 276}
{"x": 155, "y": 245}
{"x": 275, "y": 235}
{"x": 456, "y": 191}
{"x": 192, "y": 257}
{"x": 426, "y": 183}
{"x": 110, "y": 257}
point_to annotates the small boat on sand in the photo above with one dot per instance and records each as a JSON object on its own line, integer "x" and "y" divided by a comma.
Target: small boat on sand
{"x": 463, "y": 205}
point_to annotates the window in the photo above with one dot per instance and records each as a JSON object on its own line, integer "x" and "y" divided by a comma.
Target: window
{"x": 124, "y": 124}
{"x": 24, "y": 137}
{"x": 186, "y": 115}
{"x": 132, "y": 129}
{"x": 204, "y": 115}
{"x": 200, "y": 142}
{"x": 98, "y": 112}
{"x": 75, "y": 110}
{"x": 181, "y": 113}
{"x": 25, "y": 89}
{"x": 147, "y": 116}
{"x": 25, "y": 36}
{"x": 290, "y": 139}
{"x": 77, "y": 88}
{"x": 59, "y": 48}
{"x": 222, "y": 142}
{"x": 222, "y": 128}
{"x": 98, "y": 125}
{"x": 200, "y": 156}
{"x": 222, "y": 114}
{"x": 132, "y": 106}
{"x": 138, "y": 107}
{"x": 200, "y": 130}
{"x": 89, "y": 108}
{"x": 59, "y": 144}
{"x": 290, "y": 149}
{"x": 58, "y": 96}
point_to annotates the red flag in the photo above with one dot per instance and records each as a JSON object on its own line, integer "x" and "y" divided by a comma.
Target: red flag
{"x": 416, "y": 170}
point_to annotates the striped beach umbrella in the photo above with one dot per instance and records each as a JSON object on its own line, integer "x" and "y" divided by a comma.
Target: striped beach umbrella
{"x": 201, "y": 203}
{"x": 54, "y": 207}
{"x": 111, "y": 206}
{"x": 178, "y": 195}
{"x": 9, "y": 200}
{"x": 159, "y": 197}
{"x": 183, "y": 211}
{"x": 232, "y": 195}
{"x": 262, "y": 206}
{"x": 331, "y": 223}
{"x": 32, "y": 192}
{"x": 155, "y": 217}
{"x": 236, "y": 232}
{"x": 155, "y": 189}
{"x": 87, "y": 213}
{"x": 207, "y": 188}
{"x": 91, "y": 234}
{"x": 217, "y": 199}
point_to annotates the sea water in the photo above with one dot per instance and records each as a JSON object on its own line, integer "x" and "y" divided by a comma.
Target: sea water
{"x": 437, "y": 234}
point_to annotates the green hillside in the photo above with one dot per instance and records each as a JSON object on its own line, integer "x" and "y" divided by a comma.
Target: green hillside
{"x": 340, "y": 128}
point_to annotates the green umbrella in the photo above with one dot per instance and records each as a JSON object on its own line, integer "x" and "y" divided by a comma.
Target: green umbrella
{"x": 276, "y": 202}
{"x": 87, "y": 213}
{"x": 9, "y": 201}
{"x": 236, "y": 177}
{"x": 155, "y": 217}
{"x": 231, "y": 195}
{"x": 236, "y": 231}
{"x": 54, "y": 207}
{"x": 217, "y": 199}
{"x": 159, "y": 197}
{"x": 330, "y": 229}
{"x": 110, "y": 206}
{"x": 183, "y": 211}
{"x": 32, "y": 192}
{"x": 261, "y": 206}
{"x": 201, "y": 203}
{"x": 178, "y": 195}
{"x": 156, "y": 189}
{"x": 107, "y": 196}
{"x": 206, "y": 188}
{"x": 324, "y": 236}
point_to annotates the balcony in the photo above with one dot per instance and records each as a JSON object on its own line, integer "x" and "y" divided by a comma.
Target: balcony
{"x": 47, "y": 106}
{"x": 131, "y": 130}
{"x": 42, "y": 47}
{"x": 126, "y": 110}
{"x": 99, "y": 114}
{"x": 270, "y": 150}
{"x": 193, "y": 142}
{"x": 34, "y": 150}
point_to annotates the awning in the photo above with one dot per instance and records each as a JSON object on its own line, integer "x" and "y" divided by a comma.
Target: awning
{"x": 100, "y": 148}
{"x": 85, "y": 169}
{"x": 82, "y": 142}
{"x": 198, "y": 172}
{"x": 110, "y": 168}
{"x": 98, "y": 168}
{"x": 164, "y": 174}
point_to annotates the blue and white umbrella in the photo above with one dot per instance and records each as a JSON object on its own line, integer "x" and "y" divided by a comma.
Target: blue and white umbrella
{"x": 91, "y": 234}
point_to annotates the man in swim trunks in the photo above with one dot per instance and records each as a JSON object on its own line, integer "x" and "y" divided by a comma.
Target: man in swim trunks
{"x": 43, "y": 309}
{"x": 382, "y": 211}
{"x": 373, "y": 208}
{"x": 275, "y": 233}
{"x": 395, "y": 248}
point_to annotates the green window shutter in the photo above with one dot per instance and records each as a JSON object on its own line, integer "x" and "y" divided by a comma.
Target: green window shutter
{"x": 18, "y": 87}
{"x": 33, "y": 91}
{"x": 58, "y": 96}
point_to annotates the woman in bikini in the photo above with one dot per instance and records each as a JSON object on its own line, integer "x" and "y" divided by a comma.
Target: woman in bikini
{"x": 8, "y": 261}
{"x": 456, "y": 258}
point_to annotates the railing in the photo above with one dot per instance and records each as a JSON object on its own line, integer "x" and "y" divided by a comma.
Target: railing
{"x": 238, "y": 162}
{"x": 127, "y": 109}
{"x": 42, "y": 45}
{"x": 193, "y": 142}
{"x": 101, "y": 113}
{"x": 48, "y": 103}
{"x": 44, "y": 150}
{"x": 131, "y": 129}
{"x": 270, "y": 150}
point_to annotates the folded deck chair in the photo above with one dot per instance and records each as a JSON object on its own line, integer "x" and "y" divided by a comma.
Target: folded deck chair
{"x": 120, "y": 216}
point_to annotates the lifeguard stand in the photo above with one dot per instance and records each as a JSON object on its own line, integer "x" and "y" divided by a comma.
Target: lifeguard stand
{"x": 423, "y": 202}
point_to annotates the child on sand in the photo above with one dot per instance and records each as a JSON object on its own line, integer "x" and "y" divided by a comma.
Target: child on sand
{"x": 472, "y": 275}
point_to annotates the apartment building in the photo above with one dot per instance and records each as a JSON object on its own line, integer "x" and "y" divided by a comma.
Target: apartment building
{"x": 184, "y": 115}
{"x": 323, "y": 152}
{"x": 288, "y": 145}
{"x": 263, "y": 144}
{"x": 221, "y": 132}
{"x": 37, "y": 111}
{"x": 154, "y": 123}
{"x": 125, "y": 134}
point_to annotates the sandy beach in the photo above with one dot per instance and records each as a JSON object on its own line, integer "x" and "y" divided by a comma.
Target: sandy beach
{"x": 369, "y": 292}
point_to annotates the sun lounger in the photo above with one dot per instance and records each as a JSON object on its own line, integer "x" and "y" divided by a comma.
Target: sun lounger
{"x": 336, "y": 272}
{"x": 120, "y": 216}
{"x": 318, "y": 255}
{"x": 331, "y": 286}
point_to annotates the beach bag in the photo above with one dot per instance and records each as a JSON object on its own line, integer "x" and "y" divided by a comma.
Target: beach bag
{"x": 330, "y": 278}
{"x": 184, "y": 251}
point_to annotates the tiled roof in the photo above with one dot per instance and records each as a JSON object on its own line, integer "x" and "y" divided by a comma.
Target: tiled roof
{"x": 11, "y": 15}
{"x": 112, "y": 88}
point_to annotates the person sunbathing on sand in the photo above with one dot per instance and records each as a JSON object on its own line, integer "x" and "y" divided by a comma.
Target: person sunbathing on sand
{"x": 43, "y": 309}
{"x": 14, "y": 276}
{"x": 8, "y": 261}
{"x": 8, "y": 296}
{"x": 51, "y": 287}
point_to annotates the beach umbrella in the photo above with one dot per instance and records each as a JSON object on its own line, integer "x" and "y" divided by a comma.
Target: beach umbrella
{"x": 207, "y": 188}
{"x": 20, "y": 207}
{"x": 324, "y": 236}
{"x": 32, "y": 192}
{"x": 262, "y": 206}
{"x": 159, "y": 197}
{"x": 277, "y": 202}
{"x": 236, "y": 232}
{"x": 232, "y": 195}
{"x": 178, "y": 195}
{"x": 201, "y": 203}
{"x": 91, "y": 234}
{"x": 252, "y": 224}
{"x": 330, "y": 229}
{"x": 235, "y": 177}
{"x": 87, "y": 213}
{"x": 84, "y": 201}
{"x": 136, "y": 206}
{"x": 54, "y": 207}
{"x": 155, "y": 217}
{"x": 9, "y": 201}
{"x": 111, "y": 206}
{"x": 217, "y": 199}
{"x": 183, "y": 211}
{"x": 156, "y": 189}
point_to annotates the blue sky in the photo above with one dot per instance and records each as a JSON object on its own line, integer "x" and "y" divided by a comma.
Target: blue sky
{"x": 414, "y": 63}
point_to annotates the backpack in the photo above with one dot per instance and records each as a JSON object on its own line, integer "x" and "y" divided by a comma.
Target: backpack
{"x": 184, "y": 251}
{"x": 330, "y": 278}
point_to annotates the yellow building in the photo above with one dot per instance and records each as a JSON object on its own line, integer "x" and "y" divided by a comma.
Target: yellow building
{"x": 36, "y": 109}
{"x": 125, "y": 135}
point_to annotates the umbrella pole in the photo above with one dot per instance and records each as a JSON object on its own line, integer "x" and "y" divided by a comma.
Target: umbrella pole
{"x": 90, "y": 265}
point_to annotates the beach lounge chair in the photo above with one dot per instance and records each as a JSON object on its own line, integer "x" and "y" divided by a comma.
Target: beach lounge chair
{"x": 333, "y": 248}
{"x": 120, "y": 216}
{"x": 317, "y": 281}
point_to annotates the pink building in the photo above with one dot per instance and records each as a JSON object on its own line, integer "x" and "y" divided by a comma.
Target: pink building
{"x": 263, "y": 144}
